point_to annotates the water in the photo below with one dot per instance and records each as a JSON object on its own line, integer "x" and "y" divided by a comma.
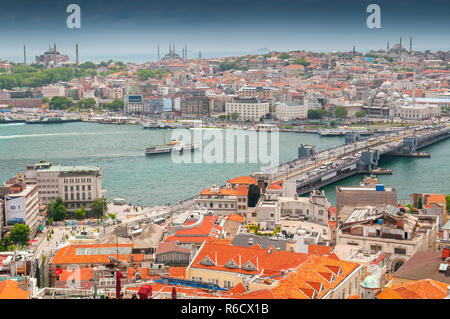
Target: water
{"x": 156, "y": 180}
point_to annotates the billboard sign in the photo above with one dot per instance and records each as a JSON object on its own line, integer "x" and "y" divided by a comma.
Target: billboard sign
{"x": 15, "y": 210}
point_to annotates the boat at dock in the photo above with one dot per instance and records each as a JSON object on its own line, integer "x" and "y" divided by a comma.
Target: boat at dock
{"x": 51, "y": 120}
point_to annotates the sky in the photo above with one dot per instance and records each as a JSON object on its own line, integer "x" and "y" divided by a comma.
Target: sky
{"x": 131, "y": 30}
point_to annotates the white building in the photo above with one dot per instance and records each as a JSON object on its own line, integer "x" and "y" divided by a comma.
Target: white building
{"x": 248, "y": 109}
{"x": 417, "y": 111}
{"x": 53, "y": 90}
{"x": 22, "y": 206}
{"x": 76, "y": 185}
{"x": 290, "y": 111}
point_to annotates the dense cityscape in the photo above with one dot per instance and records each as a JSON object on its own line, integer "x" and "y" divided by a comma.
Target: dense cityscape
{"x": 270, "y": 233}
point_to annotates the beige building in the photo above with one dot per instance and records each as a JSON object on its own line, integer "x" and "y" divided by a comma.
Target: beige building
{"x": 364, "y": 196}
{"x": 76, "y": 185}
{"x": 290, "y": 111}
{"x": 399, "y": 235}
{"x": 250, "y": 109}
{"x": 22, "y": 206}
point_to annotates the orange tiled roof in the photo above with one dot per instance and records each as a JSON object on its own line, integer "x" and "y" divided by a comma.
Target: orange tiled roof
{"x": 9, "y": 289}
{"x": 270, "y": 263}
{"x": 314, "y": 278}
{"x": 244, "y": 180}
{"x": 179, "y": 272}
{"x": 235, "y": 218}
{"x": 420, "y": 289}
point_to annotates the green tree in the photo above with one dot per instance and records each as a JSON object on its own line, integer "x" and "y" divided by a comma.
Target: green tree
{"x": 20, "y": 235}
{"x": 45, "y": 100}
{"x": 302, "y": 61}
{"x": 360, "y": 114}
{"x": 80, "y": 213}
{"x": 340, "y": 112}
{"x": 99, "y": 207}
{"x": 56, "y": 210}
{"x": 86, "y": 104}
{"x": 112, "y": 216}
{"x": 333, "y": 124}
{"x": 116, "y": 105}
{"x": 60, "y": 103}
{"x": 284, "y": 56}
{"x": 234, "y": 116}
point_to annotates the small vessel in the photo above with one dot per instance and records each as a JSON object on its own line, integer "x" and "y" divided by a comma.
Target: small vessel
{"x": 174, "y": 146}
{"x": 51, "y": 120}
{"x": 150, "y": 125}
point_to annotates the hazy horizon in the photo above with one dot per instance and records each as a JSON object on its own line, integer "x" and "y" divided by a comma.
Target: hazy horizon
{"x": 131, "y": 30}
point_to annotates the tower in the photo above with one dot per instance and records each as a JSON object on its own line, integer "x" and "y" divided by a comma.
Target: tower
{"x": 388, "y": 46}
{"x": 199, "y": 55}
{"x": 54, "y": 53}
{"x": 158, "y": 52}
{"x": 24, "y": 55}
{"x": 185, "y": 51}
{"x": 353, "y": 50}
{"x": 410, "y": 45}
{"x": 77, "y": 61}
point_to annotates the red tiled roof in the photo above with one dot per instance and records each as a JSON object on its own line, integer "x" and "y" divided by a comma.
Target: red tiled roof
{"x": 244, "y": 180}
{"x": 270, "y": 263}
{"x": 421, "y": 289}
{"x": 9, "y": 289}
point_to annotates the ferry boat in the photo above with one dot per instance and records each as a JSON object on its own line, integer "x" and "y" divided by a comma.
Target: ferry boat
{"x": 51, "y": 120}
{"x": 174, "y": 146}
{"x": 150, "y": 125}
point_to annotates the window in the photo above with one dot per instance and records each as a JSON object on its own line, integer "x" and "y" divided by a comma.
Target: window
{"x": 375, "y": 248}
{"x": 400, "y": 251}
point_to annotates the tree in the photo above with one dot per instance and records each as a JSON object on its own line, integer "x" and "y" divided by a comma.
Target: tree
{"x": 360, "y": 114}
{"x": 80, "y": 213}
{"x": 60, "y": 103}
{"x": 88, "y": 103}
{"x": 99, "y": 207}
{"x": 316, "y": 114}
{"x": 253, "y": 195}
{"x": 20, "y": 234}
{"x": 112, "y": 216}
{"x": 116, "y": 105}
{"x": 447, "y": 198}
{"x": 284, "y": 56}
{"x": 234, "y": 116}
{"x": 340, "y": 112}
{"x": 333, "y": 124}
{"x": 419, "y": 202}
{"x": 56, "y": 210}
{"x": 45, "y": 100}
{"x": 302, "y": 61}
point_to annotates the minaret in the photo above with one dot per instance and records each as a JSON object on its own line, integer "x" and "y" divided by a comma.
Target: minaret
{"x": 199, "y": 55}
{"x": 353, "y": 50}
{"x": 414, "y": 86}
{"x": 410, "y": 45}
{"x": 185, "y": 51}
{"x": 77, "y": 61}
{"x": 24, "y": 55}
{"x": 388, "y": 46}
{"x": 158, "y": 52}
{"x": 54, "y": 52}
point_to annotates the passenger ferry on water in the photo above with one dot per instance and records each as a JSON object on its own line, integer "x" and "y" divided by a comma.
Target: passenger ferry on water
{"x": 174, "y": 146}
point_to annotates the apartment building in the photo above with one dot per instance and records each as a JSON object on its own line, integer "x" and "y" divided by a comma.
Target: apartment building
{"x": 364, "y": 196}
{"x": 22, "y": 206}
{"x": 289, "y": 111}
{"x": 53, "y": 90}
{"x": 386, "y": 228}
{"x": 250, "y": 109}
{"x": 77, "y": 185}
{"x": 232, "y": 199}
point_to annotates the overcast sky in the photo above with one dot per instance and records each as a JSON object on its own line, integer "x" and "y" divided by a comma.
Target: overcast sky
{"x": 135, "y": 27}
